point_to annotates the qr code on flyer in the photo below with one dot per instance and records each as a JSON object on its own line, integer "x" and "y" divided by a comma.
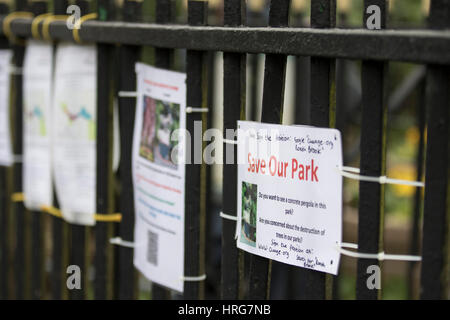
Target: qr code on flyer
{"x": 152, "y": 248}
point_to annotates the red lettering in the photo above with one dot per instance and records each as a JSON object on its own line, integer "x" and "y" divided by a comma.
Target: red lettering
{"x": 274, "y": 171}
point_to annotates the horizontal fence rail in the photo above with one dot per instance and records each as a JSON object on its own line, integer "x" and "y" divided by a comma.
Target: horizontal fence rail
{"x": 420, "y": 46}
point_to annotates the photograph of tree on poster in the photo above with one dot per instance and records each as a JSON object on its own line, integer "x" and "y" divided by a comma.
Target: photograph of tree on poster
{"x": 160, "y": 120}
{"x": 249, "y": 207}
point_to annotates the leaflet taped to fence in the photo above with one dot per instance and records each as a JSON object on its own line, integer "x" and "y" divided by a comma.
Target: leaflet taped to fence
{"x": 290, "y": 194}
{"x": 159, "y": 175}
{"x": 37, "y": 87}
{"x": 74, "y": 128}
{"x": 6, "y": 154}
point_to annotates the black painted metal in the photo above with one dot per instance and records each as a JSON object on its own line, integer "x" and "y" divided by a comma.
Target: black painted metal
{"x": 37, "y": 260}
{"x": 233, "y": 108}
{"x": 77, "y": 232}
{"x": 322, "y": 72}
{"x": 163, "y": 59}
{"x": 19, "y": 209}
{"x": 4, "y": 204}
{"x": 272, "y": 110}
{"x": 104, "y": 156}
{"x": 372, "y": 157}
{"x": 194, "y": 217}
{"x": 421, "y": 46}
{"x": 414, "y": 248}
{"x": 128, "y": 56}
{"x": 58, "y": 225}
{"x": 435, "y": 220}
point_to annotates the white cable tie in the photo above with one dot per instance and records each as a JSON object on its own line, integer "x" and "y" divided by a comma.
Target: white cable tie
{"x": 353, "y": 173}
{"x": 192, "y": 110}
{"x": 381, "y": 256}
{"x": 194, "y": 279}
{"x": 128, "y": 94}
{"x": 119, "y": 242}
{"x": 228, "y": 217}
{"x": 228, "y": 141}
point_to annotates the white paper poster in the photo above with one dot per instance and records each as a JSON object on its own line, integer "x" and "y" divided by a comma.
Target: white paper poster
{"x": 290, "y": 194}
{"x": 159, "y": 175}
{"x": 37, "y": 82}
{"x": 6, "y": 154}
{"x": 74, "y": 124}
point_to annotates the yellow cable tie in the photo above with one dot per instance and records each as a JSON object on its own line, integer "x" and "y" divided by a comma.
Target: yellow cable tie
{"x": 76, "y": 32}
{"x": 116, "y": 217}
{"x": 52, "y": 211}
{"x": 48, "y": 21}
{"x": 35, "y": 24}
{"x": 7, "y": 24}
{"x": 18, "y": 197}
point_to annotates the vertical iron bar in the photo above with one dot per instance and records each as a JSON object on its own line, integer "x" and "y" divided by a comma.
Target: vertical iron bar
{"x": 19, "y": 209}
{"x": 272, "y": 110}
{"x": 104, "y": 157}
{"x": 415, "y": 225}
{"x": 37, "y": 251}
{"x": 322, "y": 106}
{"x": 58, "y": 225}
{"x": 128, "y": 56}
{"x": 233, "y": 108}
{"x": 435, "y": 221}
{"x": 373, "y": 133}
{"x": 4, "y": 203}
{"x": 78, "y": 232}
{"x": 194, "y": 199}
{"x": 163, "y": 59}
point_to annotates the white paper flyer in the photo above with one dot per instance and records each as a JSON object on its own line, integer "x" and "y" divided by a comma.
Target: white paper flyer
{"x": 37, "y": 82}
{"x": 159, "y": 175}
{"x": 290, "y": 194}
{"x": 6, "y": 154}
{"x": 74, "y": 132}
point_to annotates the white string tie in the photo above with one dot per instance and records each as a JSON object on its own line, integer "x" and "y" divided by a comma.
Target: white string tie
{"x": 381, "y": 256}
{"x": 128, "y": 94}
{"x": 192, "y": 110}
{"x": 194, "y": 279}
{"x": 122, "y": 243}
{"x": 228, "y": 216}
{"x": 353, "y": 173}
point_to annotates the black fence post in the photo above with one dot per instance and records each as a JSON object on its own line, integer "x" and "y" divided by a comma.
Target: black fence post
{"x": 59, "y": 227}
{"x": 163, "y": 59}
{"x": 128, "y": 56}
{"x": 435, "y": 220}
{"x": 102, "y": 231}
{"x": 272, "y": 111}
{"x": 37, "y": 218}
{"x": 234, "y": 65}
{"x": 414, "y": 243}
{"x": 19, "y": 209}
{"x": 78, "y": 232}
{"x": 373, "y": 135}
{"x": 194, "y": 259}
{"x": 5, "y": 199}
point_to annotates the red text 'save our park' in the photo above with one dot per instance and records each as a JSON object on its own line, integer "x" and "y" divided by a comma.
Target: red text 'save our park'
{"x": 286, "y": 169}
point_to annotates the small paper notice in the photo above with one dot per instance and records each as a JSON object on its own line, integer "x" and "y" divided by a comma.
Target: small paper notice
{"x": 290, "y": 194}
{"x": 37, "y": 82}
{"x": 6, "y": 155}
{"x": 74, "y": 127}
{"x": 159, "y": 175}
